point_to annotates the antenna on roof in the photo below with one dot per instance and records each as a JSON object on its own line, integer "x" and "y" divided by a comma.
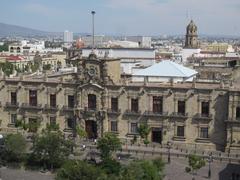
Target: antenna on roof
{"x": 93, "y": 45}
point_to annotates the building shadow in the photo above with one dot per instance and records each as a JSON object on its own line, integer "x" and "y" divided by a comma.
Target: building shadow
{"x": 230, "y": 172}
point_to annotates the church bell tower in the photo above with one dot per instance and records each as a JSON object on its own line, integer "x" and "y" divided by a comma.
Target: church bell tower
{"x": 191, "y": 41}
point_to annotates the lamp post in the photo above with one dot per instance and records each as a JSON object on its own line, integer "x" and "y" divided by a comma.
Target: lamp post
{"x": 169, "y": 145}
{"x": 210, "y": 159}
{"x": 93, "y": 43}
{"x": 1, "y": 148}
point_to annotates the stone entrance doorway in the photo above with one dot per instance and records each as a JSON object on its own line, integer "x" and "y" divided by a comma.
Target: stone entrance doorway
{"x": 157, "y": 135}
{"x": 91, "y": 129}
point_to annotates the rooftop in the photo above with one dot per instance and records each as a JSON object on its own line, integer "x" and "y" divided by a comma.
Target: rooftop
{"x": 166, "y": 68}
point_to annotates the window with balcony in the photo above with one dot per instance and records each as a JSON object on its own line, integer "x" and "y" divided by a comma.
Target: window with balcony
{"x": 114, "y": 127}
{"x": 134, "y": 105}
{"x": 134, "y": 128}
{"x": 13, "y": 118}
{"x": 53, "y": 100}
{"x": 92, "y": 101}
{"x": 33, "y": 98}
{"x": 181, "y": 107}
{"x": 13, "y": 98}
{"x": 204, "y": 132}
{"x": 157, "y": 104}
{"x": 71, "y": 102}
{"x": 238, "y": 113}
{"x": 180, "y": 131}
{"x": 114, "y": 104}
{"x": 205, "y": 109}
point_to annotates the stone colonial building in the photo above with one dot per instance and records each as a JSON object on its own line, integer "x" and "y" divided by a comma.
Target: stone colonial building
{"x": 202, "y": 115}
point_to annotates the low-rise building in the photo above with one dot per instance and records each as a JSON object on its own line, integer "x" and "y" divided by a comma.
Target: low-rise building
{"x": 190, "y": 114}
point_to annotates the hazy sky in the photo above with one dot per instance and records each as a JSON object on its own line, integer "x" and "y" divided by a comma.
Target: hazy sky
{"x": 125, "y": 17}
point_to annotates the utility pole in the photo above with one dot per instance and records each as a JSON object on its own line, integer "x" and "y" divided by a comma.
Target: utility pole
{"x": 93, "y": 43}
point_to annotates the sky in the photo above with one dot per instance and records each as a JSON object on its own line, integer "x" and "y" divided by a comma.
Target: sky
{"x": 125, "y": 17}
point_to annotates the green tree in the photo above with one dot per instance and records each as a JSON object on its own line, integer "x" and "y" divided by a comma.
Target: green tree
{"x": 47, "y": 67}
{"x": 143, "y": 170}
{"x": 80, "y": 170}
{"x": 144, "y": 131}
{"x": 195, "y": 163}
{"x": 7, "y": 68}
{"x": 108, "y": 144}
{"x": 52, "y": 127}
{"x": 34, "y": 67}
{"x": 111, "y": 167}
{"x": 50, "y": 149}
{"x": 15, "y": 148}
{"x": 4, "y": 47}
{"x": 81, "y": 132}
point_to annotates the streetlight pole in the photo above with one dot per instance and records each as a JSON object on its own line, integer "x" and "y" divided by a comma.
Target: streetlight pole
{"x": 1, "y": 148}
{"x": 169, "y": 155}
{"x": 209, "y": 166}
{"x": 93, "y": 43}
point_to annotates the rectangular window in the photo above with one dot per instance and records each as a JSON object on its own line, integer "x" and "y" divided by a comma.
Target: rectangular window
{"x": 134, "y": 128}
{"x": 181, "y": 107}
{"x": 114, "y": 104}
{"x": 13, "y": 98}
{"x": 157, "y": 104}
{"x": 180, "y": 131}
{"x": 70, "y": 123}
{"x": 134, "y": 105}
{"x": 205, "y": 109}
{"x": 204, "y": 132}
{"x": 13, "y": 118}
{"x": 53, "y": 100}
{"x": 92, "y": 101}
{"x": 71, "y": 101}
{"x": 52, "y": 120}
{"x": 114, "y": 127}
{"x": 33, "y": 97}
{"x": 238, "y": 113}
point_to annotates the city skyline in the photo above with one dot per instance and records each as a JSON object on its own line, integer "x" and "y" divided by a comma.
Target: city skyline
{"x": 125, "y": 17}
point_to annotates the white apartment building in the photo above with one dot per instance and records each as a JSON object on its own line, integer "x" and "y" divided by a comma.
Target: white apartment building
{"x": 130, "y": 57}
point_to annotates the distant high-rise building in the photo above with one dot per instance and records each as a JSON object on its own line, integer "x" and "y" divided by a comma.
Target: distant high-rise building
{"x": 68, "y": 37}
{"x": 191, "y": 36}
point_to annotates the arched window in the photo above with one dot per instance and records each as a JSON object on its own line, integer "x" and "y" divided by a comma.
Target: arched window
{"x": 18, "y": 50}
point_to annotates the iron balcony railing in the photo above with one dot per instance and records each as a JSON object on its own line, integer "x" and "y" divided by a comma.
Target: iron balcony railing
{"x": 113, "y": 111}
{"x": 154, "y": 113}
{"x": 48, "y": 107}
{"x": 68, "y": 108}
{"x": 130, "y": 112}
{"x": 12, "y": 105}
{"x": 31, "y": 106}
{"x": 203, "y": 116}
{"x": 179, "y": 115}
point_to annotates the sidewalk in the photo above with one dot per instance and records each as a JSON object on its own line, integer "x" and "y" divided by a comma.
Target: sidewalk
{"x": 158, "y": 151}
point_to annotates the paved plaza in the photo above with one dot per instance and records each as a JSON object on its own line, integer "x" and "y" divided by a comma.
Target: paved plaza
{"x": 18, "y": 174}
{"x": 173, "y": 171}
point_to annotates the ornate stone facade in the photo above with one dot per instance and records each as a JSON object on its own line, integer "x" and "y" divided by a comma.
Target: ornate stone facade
{"x": 191, "y": 41}
{"x": 200, "y": 115}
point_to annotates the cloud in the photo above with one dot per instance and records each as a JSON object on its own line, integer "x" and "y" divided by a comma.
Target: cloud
{"x": 41, "y": 9}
